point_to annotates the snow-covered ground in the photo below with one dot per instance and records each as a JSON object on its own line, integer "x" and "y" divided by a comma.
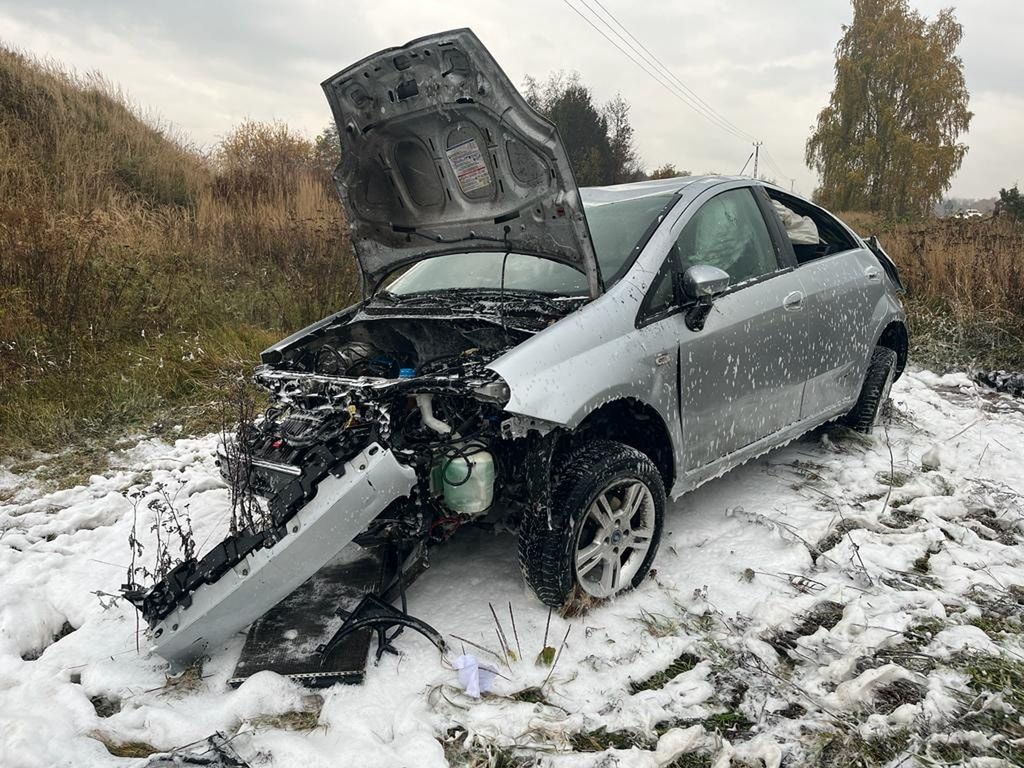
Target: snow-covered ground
{"x": 801, "y": 607}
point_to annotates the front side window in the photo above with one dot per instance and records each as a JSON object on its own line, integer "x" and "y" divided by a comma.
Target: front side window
{"x": 730, "y": 233}
{"x": 661, "y": 297}
{"x": 727, "y": 232}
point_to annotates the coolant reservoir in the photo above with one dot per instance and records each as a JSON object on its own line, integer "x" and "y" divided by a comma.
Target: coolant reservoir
{"x": 468, "y": 481}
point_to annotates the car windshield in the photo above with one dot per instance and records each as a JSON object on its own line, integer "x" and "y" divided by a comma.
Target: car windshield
{"x": 619, "y": 230}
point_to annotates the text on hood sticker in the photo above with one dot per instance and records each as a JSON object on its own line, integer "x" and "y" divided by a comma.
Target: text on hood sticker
{"x": 470, "y": 169}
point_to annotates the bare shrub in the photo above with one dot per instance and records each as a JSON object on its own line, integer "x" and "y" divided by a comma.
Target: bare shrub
{"x": 171, "y": 527}
{"x": 238, "y": 409}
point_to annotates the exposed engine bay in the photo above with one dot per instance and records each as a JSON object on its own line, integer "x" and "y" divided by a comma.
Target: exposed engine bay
{"x": 408, "y": 397}
{"x": 416, "y": 386}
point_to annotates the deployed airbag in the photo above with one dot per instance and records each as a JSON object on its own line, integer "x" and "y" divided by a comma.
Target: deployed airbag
{"x": 801, "y": 229}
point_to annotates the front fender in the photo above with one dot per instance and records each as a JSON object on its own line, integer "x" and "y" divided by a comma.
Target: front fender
{"x": 584, "y": 360}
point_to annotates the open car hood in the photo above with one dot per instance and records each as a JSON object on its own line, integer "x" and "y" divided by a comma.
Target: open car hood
{"x": 441, "y": 154}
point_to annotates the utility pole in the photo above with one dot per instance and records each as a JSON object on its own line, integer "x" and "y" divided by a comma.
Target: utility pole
{"x": 757, "y": 150}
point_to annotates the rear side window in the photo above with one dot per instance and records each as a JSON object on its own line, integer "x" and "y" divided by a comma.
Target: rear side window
{"x": 799, "y": 218}
{"x": 730, "y": 233}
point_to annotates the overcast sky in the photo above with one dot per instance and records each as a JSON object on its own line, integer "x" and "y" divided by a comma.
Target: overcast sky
{"x": 767, "y": 67}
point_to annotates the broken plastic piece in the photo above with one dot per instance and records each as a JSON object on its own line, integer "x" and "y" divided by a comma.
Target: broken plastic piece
{"x": 220, "y": 606}
{"x": 474, "y": 677}
{"x": 380, "y": 616}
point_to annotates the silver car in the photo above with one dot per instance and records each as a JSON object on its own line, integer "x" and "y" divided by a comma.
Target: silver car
{"x": 555, "y": 359}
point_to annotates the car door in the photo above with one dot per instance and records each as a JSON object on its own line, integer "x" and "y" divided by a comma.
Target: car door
{"x": 842, "y": 283}
{"x": 736, "y": 380}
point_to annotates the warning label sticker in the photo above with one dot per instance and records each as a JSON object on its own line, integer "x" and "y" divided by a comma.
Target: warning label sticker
{"x": 470, "y": 168}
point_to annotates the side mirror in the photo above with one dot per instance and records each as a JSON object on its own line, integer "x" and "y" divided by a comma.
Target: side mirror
{"x": 696, "y": 289}
{"x": 702, "y": 281}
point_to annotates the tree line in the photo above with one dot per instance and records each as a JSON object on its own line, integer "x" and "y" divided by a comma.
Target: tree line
{"x": 599, "y": 139}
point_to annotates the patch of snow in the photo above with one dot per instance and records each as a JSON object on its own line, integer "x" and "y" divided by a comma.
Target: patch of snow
{"x": 962, "y": 638}
{"x": 737, "y": 576}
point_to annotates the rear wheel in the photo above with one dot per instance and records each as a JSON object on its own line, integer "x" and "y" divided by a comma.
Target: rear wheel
{"x": 603, "y": 529}
{"x": 874, "y": 394}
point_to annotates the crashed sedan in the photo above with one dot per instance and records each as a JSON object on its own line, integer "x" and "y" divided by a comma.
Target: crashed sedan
{"x": 554, "y": 360}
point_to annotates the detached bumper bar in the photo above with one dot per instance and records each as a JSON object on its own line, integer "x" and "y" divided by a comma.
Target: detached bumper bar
{"x": 342, "y": 508}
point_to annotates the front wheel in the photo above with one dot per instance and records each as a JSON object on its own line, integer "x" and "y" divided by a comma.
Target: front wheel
{"x": 603, "y": 529}
{"x": 867, "y": 413}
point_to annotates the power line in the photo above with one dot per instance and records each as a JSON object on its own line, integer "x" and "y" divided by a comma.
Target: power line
{"x": 654, "y": 68}
{"x": 773, "y": 167}
{"x": 656, "y": 62}
{"x": 774, "y": 163}
{"x": 692, "y": 99}
{"x": 640, "y": 62}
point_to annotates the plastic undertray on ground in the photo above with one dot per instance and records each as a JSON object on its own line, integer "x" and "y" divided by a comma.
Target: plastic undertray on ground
{"x": 286, "y": 639}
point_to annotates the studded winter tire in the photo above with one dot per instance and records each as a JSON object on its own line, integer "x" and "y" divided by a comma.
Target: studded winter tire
{"x": 874, "y": 394}
{"x": 603, "y": 529}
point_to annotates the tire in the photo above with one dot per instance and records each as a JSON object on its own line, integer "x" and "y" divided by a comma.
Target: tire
{"x": 867, "y": 413}
{"x": 551, "y": 542}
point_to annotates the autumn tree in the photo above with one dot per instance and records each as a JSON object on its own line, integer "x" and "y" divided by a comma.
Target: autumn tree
{"x": 1012, "y": 202}
{"x": 598, "y": 139}
{"x": 327, "y": 150}
{"x": 888, "y": 141}
{"x": 623, "y": 161}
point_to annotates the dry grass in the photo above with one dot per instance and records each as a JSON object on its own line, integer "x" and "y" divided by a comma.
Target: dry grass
{"x": 289, "y": 721}
{"x": 132, "y": 267}
{"x": 965, "y": 281}
{"x": 137, "y": 749}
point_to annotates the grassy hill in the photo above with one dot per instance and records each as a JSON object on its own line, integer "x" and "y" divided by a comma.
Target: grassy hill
{"x": 133, "y": 268}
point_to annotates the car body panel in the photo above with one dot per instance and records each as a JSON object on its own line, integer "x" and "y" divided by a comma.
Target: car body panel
{"x": 441, "y": 153}
{"x": 342, "y": 508}
{"x": 561, "y": 374}
{"x": 756, "y": 376}
{"x": 739, "y": 381}
{"x": 837, "y": 298}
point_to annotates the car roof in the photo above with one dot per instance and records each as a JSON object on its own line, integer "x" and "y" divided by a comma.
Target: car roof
{"x": 618, "y": 193}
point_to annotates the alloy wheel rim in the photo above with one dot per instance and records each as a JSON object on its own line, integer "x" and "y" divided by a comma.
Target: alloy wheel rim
{"x": 615, "y": 537}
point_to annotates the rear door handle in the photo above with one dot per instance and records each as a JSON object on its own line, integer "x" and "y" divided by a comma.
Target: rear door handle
{"x": 793, "y": 302}
{"x": 873, "y": 274}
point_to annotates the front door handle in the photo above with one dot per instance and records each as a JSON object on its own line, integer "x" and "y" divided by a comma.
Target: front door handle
{"x": 793, "y": 302}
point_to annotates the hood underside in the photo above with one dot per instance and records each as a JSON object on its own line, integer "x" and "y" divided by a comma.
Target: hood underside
{"x": 441, "y": 154}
